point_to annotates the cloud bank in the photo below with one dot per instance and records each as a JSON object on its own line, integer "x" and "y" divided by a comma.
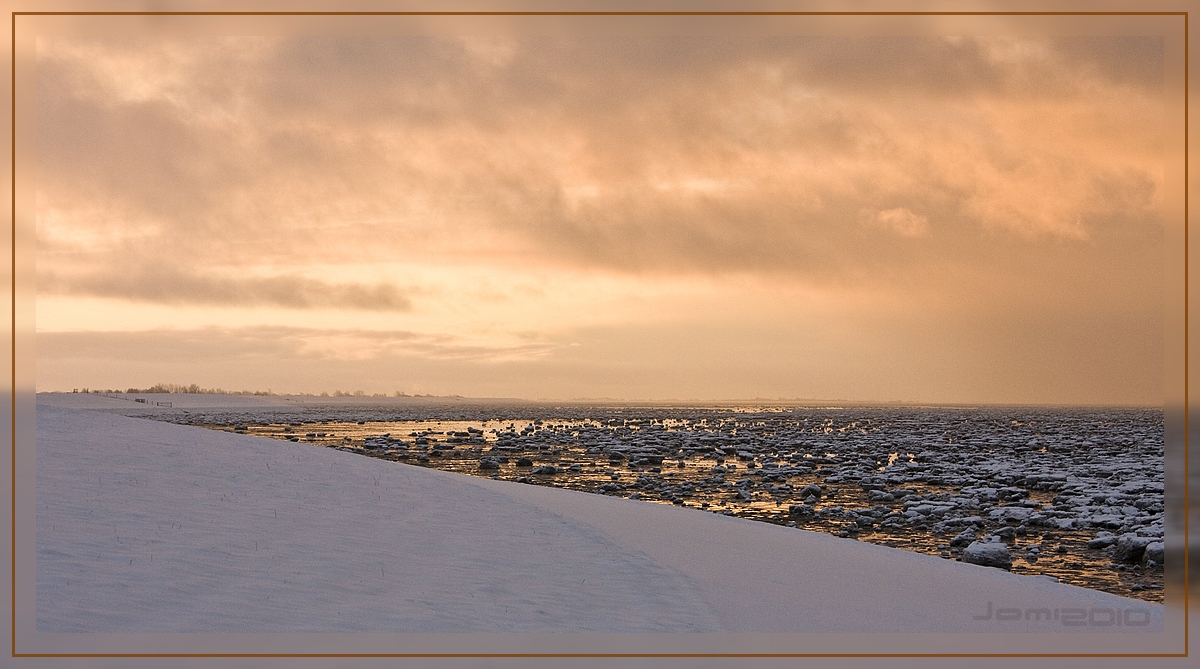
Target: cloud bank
{"x": 665, "y": 154}
{"x": 985, "y": 192}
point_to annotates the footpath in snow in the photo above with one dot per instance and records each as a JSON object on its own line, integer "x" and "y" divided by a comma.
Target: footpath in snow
{"x": 146, "y": 526}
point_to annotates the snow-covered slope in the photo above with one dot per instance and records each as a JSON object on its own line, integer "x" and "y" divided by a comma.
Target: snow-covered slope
{"x": 145, "y": 526}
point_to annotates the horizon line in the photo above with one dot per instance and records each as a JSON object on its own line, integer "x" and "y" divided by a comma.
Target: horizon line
{"x": 786, "y": 401}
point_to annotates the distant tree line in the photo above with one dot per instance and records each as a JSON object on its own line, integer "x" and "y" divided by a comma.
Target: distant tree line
{"x": 193, "y": 389}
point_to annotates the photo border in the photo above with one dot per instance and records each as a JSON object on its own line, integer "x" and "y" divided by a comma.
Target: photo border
{"x": 14, "y": 315}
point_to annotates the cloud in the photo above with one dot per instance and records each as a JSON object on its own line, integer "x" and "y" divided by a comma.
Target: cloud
{"x": 903, "y": 222}
{"x": 164, "y": 285}
{"x": 940, "y": 180}
{"x": 667, "y": 155}
{"x": 940, "y": 355}
{"x": 281, "y": 342}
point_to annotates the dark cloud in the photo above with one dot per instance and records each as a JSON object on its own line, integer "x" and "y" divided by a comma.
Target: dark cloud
{"x": 142, "y": 156}
{"x": 170, "y": 286}
{"x": 1135, "y": 61}
{"x": 766, "y": 154}
{"x": 437, "y": 81}
{"x": 278, "y": 342}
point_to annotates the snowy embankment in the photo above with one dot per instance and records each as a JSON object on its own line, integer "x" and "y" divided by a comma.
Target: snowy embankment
{"x": 145, "y": 526}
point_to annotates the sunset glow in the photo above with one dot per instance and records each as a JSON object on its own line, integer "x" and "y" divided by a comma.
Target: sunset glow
{"x": 933, "y": 219}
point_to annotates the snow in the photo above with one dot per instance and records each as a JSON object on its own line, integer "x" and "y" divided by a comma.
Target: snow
{"x": 146, "y": 526}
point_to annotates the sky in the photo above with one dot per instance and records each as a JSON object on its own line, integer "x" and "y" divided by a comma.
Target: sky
{"x": 919, "y": 219}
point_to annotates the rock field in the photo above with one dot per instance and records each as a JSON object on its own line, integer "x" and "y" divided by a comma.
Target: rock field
{"x": 1074, "y": 494}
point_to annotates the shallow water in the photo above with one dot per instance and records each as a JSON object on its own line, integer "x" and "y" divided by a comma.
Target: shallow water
{"x": 911, "y": 478}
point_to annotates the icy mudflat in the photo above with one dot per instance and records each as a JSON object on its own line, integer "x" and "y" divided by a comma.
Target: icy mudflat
{"x": 146, "y": 526}
{"x": 1076, "y": 494}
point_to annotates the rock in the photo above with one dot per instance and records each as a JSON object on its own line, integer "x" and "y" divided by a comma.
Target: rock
{"x": 988, "y": 555}
{"x": 963, "y": 538}
{"x": 810, "y": 490}
{"x": 548, "y": 470}
{"x": 1111, "y": 521}
{"x": 1153, "y": 552}
{"x": 1102, "y": 540}
{"x": 1017, "y": 514}
{"x": 1063, "y": 523}
{"x": 489, "y": 463}
{"x": 524, "y": 462}
{"x": 1131, "y": 547}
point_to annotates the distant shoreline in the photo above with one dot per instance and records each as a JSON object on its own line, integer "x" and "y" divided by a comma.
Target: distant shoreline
{"x": 346, "y": 398}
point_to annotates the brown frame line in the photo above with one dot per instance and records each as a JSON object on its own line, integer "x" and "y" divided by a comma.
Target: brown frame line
{"x": 13, "y": 315}
{"x": 621, "y": 655}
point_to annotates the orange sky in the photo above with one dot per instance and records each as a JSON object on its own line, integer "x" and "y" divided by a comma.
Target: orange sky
{"x": 864, "y": 218}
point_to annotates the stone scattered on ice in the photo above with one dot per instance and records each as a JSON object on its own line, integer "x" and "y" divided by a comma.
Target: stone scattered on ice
{"x": 991, "y": 554}
{"x": 1153, "y": 552}
{"x": 1102, "y": 540}
{"x": 963, "y": 538}
{"x": 1130, "y": 547}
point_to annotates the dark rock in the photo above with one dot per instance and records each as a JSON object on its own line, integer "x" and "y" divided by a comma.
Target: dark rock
{"x": 963, "y": 538}
{"x": 990, "y": 554}
{"x": 1153, "y": 552}
{"x": 1102, "y": 540}
{"x": 811, "y": 489}
{"x": 1130, "y": 547}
